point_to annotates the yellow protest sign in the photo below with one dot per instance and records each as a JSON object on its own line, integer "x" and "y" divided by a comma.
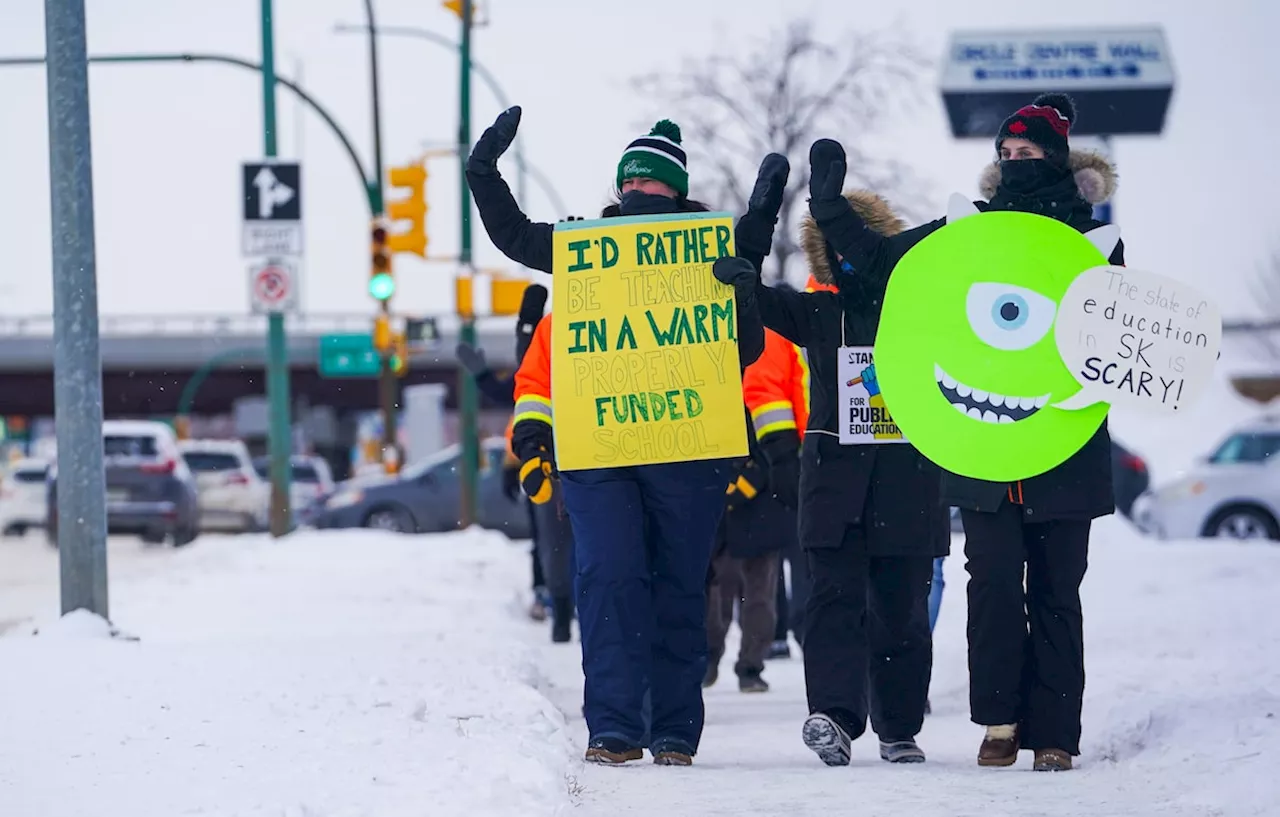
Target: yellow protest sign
{"x": 644, "y": 361}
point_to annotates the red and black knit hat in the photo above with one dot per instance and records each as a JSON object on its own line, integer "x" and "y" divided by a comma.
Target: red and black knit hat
{"x": 1047, "y": 122}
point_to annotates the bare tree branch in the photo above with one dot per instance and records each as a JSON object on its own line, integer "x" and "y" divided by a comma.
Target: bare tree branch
{"x": 782, "y": 94}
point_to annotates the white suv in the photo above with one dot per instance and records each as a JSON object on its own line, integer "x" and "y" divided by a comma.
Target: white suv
{"x": 232, "y": 496}
{"x": 1232, "y": 493}
{"x": 23, "y": 499}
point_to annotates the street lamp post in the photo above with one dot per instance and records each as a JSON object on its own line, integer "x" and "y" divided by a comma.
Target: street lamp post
{"x": 470, "y": 402}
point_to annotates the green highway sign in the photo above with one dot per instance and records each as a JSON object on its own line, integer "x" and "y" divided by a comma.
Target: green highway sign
{"x": 348, "y": 356}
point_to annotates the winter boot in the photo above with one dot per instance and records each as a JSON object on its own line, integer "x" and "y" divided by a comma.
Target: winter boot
{"x": 1000, "y": 746}
{"x": 750, "y": 681}
{"x": 1052, "y": 760}
{"x": 671, "y": 752}
{"x": 827, "y": 738}
{"x": 561, "y": 619}
{"x": 901, "y": 751}
{"x": 611, "y": 751}
{"x": 713, "y": 672}
{"x": 541, "y": 602}
{"x": 779, "y": 649}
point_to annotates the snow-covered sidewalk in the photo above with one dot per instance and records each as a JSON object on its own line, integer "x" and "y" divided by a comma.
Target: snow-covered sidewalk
{"x": 345, "y": 673}
{"x": 1182, "y": 711}
{"x": 357, "y": 673}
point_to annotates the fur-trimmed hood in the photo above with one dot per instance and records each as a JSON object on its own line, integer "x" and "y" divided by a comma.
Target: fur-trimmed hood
{"x": 874, "y": 210}
{"x": 1095, "y": 176}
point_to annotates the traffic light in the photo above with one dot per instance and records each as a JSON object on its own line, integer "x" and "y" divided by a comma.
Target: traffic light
{"x": 400, "y": 357}
{"x": 381, "y": 283}
{"x": 456, "y": 7}
{"x": 382, "y": 333}
{"x": 411, "y": 209}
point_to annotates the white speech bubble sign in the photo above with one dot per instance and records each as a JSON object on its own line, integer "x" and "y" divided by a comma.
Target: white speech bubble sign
{"x": 1136, "y": 340}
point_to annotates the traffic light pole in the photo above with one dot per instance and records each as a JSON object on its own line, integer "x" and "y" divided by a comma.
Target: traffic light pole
{"x": 77, "y": 360}
{"x": 388, "y": 385}
{"x": 470, "y": 399}
{"x": 280, "y": 433}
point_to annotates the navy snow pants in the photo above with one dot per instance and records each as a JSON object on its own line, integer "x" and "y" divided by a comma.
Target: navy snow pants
{"x": 643, "y": 537}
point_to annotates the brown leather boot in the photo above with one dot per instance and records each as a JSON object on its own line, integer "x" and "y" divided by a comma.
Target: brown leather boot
{"x": 1052, "y": 760}
{"x": 999, "y": 746}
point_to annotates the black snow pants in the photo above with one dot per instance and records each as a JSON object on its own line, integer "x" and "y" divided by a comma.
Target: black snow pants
{"x": 1026, "y": 641}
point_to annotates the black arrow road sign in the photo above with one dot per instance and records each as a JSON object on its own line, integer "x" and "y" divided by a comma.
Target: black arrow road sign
{"x": 272, "y": 191}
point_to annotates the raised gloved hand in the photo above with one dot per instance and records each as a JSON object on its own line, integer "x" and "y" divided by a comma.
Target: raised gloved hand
{"x": 782, "y": 451}
{"x": 754, "y": 231}
{"x": 472, "y": 358}
{"x": 535, "y": 476}
{"x": 734, "y": 271}
{"x": 494, "y": 142}
{"x": 827, "y": 168}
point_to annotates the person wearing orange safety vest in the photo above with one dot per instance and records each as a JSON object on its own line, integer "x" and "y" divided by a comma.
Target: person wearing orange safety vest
{"x": 530, "y": 442}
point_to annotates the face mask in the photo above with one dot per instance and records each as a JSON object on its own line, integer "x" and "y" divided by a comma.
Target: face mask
{"x": 1026, "y": 176}
{"x": 638, "y": 203}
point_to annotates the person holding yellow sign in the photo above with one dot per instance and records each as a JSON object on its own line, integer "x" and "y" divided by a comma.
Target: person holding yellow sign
{"x": 643, "y": 533}
{"x": 870, "y": 519}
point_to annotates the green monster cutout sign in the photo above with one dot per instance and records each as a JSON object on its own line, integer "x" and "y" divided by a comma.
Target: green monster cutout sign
{"x": 965, "y": 353}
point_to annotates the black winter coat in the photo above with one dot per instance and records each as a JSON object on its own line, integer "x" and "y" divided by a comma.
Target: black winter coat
{"x": 1079, "y": 488}
{"x": 891, "y": 490}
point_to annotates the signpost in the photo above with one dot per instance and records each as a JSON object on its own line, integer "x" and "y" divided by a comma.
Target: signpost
{"x": 272, "y": 194}
{"x": 1120, "y": 78}
{"x": 352, "y": 355}
{"x": 273, "y": 287}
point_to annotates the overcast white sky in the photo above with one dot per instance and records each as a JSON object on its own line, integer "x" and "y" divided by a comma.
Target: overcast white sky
{"x": 1199, "y": 203}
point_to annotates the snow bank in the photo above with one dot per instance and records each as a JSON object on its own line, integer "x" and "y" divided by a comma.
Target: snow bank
{"x": 330, "y": 674}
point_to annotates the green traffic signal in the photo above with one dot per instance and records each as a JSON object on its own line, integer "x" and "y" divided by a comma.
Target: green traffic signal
{"x": 382, "y": 286}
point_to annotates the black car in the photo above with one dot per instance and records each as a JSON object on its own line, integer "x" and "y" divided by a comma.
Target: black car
{"x": 150, "y": 491}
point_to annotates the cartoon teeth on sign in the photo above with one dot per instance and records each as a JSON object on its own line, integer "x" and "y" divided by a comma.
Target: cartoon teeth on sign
{"x": 1006, "y": 337}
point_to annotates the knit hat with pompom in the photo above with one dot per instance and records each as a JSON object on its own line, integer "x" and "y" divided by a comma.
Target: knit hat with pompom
{"x": 1047, "y": 122}
{"x": 657, "y": 155}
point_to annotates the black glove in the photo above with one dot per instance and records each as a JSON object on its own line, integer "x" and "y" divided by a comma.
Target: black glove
{"x": 494, "y": 142}
{"x": 472, "y": 358}
{"x": 782, "y": 451}
{"x": 753, "y": 234}
{"x": 738, "y": 273}
{"x": 511, "y": 482}
{"x": 747, "y": 485}
{"x": 532, "y": 306}
{"x": 827, "y": 168}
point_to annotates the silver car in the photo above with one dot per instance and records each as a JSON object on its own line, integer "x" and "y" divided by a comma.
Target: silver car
{"x": 1232, "y": 493}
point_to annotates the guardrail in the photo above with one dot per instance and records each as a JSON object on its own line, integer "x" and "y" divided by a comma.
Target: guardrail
{"x": 316, "y": 323}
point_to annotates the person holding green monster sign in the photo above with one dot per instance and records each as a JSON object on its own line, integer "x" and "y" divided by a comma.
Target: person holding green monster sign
{"x": 966, "y": 360}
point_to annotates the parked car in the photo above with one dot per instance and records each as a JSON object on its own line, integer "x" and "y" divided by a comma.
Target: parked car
{"x": 150, "y": 490}
{"x": 1129, "y": 479}
{"x": 310, "y": 481}
{"x": 425, "y": 497}
{"x": 23, "y": 496}
{"x": 1233, "y": 493}
{"x": 232, "y": 496}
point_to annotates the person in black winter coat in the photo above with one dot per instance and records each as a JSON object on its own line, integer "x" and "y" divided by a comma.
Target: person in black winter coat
{"x": 870, "y": 518}
{"x": 755, "y": 530}
{"x": 1026, "y": 653}
{"x": 643, "y": 535}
